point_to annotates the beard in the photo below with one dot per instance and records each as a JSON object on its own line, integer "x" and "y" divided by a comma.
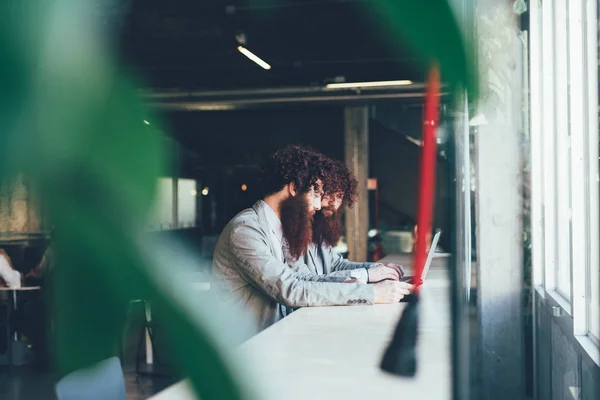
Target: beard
{"x": 296, "y": 223}
{"x": 327, "y": 229}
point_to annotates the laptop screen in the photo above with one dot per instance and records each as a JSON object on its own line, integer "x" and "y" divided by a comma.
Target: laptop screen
{"x": 434, "y": 243}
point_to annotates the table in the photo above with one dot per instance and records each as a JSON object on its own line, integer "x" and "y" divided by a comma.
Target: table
{"x": 335, "y": 352}
{"x": 21, "y": 238}
{"x": 12, "y": 306}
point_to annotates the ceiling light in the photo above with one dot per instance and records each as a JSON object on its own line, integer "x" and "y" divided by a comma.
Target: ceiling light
{"x": 205, "y": 191}
{"x": 351, "y": 85}
{"x": 244, "y": 187}
{"x": 253, "y": 57}
{"x": 212, "y": 107}
{"x": 146, "y": 122}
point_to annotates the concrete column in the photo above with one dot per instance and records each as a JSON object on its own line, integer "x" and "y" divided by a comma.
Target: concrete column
{"x": 356, "y": 143}
{"x": 499, "y": 169}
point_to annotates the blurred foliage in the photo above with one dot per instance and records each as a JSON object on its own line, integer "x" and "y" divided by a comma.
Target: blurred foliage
{"x": 72, "y": 122}
{"x": 432, "y": 30}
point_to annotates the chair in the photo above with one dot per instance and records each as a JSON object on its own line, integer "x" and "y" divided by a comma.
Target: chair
{"x": 103, "y": 381}
{"x": 148, "y": 327}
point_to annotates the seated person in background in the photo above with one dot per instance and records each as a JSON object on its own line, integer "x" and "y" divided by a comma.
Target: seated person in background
{"x": 341, "y": 189}
{"x": 32, "y": 310}
{"x": 252, "y": 252}
{"x": 35, "y": 312}
{"x": 40, "y": 272}
{"x": 9, "y": 277}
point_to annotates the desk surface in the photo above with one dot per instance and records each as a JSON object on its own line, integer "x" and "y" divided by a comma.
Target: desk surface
{"x": 334, "y": 352}
{"x": 10, "y": 238}
{"x": 20, "y": 289}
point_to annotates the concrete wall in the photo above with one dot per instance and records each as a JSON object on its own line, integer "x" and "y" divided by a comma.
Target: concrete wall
{"x": 19, "y": 207}
{"x": 20, "y": 214}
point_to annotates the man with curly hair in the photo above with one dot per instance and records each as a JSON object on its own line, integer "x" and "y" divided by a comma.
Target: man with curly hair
{"x": 341, "y": 189}
{"x": 252, "y": 256}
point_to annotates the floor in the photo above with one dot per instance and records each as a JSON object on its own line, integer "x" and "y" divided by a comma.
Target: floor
{"x": 30, "y": 383}
{"x": 26, "y": 383}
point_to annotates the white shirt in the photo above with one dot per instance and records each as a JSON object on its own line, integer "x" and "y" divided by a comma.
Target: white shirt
{"x": 10, "y": 276}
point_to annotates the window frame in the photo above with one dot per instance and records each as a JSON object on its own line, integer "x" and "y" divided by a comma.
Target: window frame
{"x": 548, "y": 147}
{"x": 536, "y": 156}
{"x": 591, "y": 31}
{"x": 564, "y": 268}
{"x": 565, "y": 154}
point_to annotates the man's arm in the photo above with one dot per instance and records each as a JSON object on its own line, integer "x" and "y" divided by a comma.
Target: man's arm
{"x": 305, "y": 272}
{"x": 363, "y": 271}
{"x": 339, "y": 263}
{"x": 40, "y": 270}
{"x": 252, "y": 256}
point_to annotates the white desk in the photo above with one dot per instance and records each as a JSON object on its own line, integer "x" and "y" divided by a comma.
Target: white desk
{"x": 334, "y": 352}
{"x": 20, "y": 289}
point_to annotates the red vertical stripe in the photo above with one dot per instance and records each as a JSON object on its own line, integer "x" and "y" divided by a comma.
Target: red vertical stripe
{"x": 428, "y": 163}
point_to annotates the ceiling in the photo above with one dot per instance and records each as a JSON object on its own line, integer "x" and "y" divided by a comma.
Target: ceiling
{"x": 191, "y": 44}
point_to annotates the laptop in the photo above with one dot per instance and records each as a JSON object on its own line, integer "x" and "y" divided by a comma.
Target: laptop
{"x": 434, "y": 243}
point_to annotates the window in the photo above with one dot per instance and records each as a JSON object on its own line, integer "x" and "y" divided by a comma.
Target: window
{"x": 562, "y": 160}
{"x": 579, "y": 200}
{"x": 161, "y": 216}
{"x": 565, "y": 164}
{"x": 186, "y": 202}
{"x": 548, "y": 148}
{"x": 536, "y": 157}
{"x": 593, "y": 179}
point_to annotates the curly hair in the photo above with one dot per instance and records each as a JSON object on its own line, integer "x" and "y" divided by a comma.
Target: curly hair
{"x": 340, "y": 179}
{"x": 297, "y": 164}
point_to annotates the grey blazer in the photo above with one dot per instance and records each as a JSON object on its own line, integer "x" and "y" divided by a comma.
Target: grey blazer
{"x": 248, "y": 268}
{"x": 333, "y": 264}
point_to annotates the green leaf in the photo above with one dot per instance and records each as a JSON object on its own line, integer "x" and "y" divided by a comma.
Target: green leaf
{"x": 432, "y": 31}
{"x": 72, "y": 122}
{"x": 74, "y": 125}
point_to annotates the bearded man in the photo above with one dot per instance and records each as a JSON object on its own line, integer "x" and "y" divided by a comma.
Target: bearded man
{"x": 253, "y": 254}
{"x": 341, "y": 191}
